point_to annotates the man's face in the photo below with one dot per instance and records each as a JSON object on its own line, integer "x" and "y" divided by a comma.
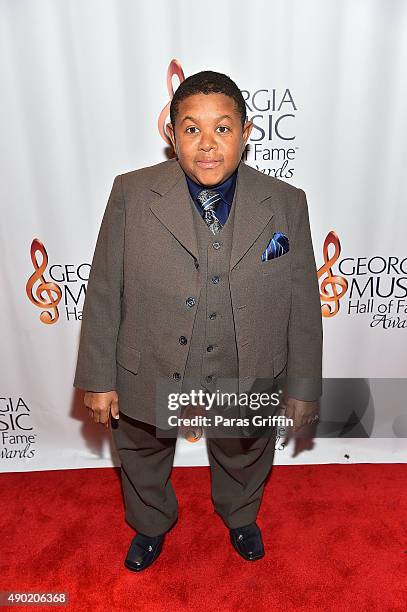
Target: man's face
{"x": 209, "y": 139}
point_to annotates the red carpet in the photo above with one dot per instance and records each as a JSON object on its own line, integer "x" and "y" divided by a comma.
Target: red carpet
{"x": 335, "y": 539}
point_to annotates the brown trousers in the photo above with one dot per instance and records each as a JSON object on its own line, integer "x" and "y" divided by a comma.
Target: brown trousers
{"x": 239, "y": 468}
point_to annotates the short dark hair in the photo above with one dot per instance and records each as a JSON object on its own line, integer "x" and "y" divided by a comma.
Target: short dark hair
{"x": 206, "y": 82}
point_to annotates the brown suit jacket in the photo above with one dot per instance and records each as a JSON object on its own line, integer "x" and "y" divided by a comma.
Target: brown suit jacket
{"x": 144, "y": 269}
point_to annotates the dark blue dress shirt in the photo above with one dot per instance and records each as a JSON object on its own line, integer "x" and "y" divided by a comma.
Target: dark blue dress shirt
{"x": 225, "y": 189}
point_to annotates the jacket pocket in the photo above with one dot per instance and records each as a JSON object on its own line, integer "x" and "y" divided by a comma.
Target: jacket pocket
{"x": 128, "y": 357}
{"x": 271, "y": 265}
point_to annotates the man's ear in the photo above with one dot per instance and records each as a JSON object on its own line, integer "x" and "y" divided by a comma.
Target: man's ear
{"x": 171, "y": 135}
{"x": 247, "y": 128}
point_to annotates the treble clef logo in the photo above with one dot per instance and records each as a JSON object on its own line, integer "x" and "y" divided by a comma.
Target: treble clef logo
{"x": 174, "y": 68}
{"x": 331, "y": 281}
{"x": 52, "y": 291}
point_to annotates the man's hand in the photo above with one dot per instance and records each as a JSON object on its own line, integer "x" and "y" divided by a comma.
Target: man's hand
{"x": 302, "y": 412}
{"x": 99, "y": 406}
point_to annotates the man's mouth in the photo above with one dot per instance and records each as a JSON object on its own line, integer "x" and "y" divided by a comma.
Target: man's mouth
{"x": 208, "y": 164}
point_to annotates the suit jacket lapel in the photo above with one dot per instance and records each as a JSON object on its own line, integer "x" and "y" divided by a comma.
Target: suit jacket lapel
{"x": 171, "y": 205}
{"x": 251, "y": 214}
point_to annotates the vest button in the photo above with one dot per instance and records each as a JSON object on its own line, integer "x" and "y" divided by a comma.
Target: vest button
{"x": 182, "y": 340}
{"x": 209, "y": 348}
{"x": 190, "y": 302}
{"x": 176, "y": 375}
{"x": 212, "y": 316}
{"x": 209, "y": 378}
{"x": 216, "y": 245}
{"x": 215, "y": 279}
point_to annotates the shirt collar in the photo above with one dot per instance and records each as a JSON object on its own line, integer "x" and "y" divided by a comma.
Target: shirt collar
{"x": 226, "y": 189}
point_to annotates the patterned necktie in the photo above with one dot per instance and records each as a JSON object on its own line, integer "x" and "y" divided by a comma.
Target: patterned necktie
{"x": 209, "y": 199}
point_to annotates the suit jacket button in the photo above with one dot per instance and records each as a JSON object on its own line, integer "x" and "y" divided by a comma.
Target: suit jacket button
{"x": 176, "y": 375}
{"x": 209, "y": 348}
{"x": 215, "y": 279}
{"x": 209, "y": 378}
{"x": 190, "y": 302}
{"x": 182, "y": 340}
{"x": 196, "y": 264}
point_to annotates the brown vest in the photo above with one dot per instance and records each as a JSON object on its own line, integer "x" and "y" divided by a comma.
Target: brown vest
{"x": 212, "y": 362}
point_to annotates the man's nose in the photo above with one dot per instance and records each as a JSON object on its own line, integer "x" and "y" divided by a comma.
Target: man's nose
{"x": 207, "y": 141}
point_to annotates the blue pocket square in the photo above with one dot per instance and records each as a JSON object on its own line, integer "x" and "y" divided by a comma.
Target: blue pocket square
{"x": 277, "y": 246}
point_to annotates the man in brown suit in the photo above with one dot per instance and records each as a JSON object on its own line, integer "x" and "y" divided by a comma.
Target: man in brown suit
{"x": 203, "y": 278}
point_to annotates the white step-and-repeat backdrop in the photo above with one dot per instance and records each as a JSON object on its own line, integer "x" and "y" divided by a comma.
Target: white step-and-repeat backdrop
{"x": 85, "y": 92}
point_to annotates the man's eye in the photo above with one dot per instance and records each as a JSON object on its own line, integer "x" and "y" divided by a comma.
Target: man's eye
{"x": 192, "y": 127}
{"x": 225, "y": 127}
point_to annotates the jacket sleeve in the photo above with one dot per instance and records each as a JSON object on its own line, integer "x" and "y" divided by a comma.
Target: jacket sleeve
{"x": 305, "y": 334}
{"x": 96, "y": 364}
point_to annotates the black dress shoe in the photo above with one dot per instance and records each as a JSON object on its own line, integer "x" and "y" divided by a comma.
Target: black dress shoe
{"x": 248, "y": 542}
{"x": 143, "y": 551}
